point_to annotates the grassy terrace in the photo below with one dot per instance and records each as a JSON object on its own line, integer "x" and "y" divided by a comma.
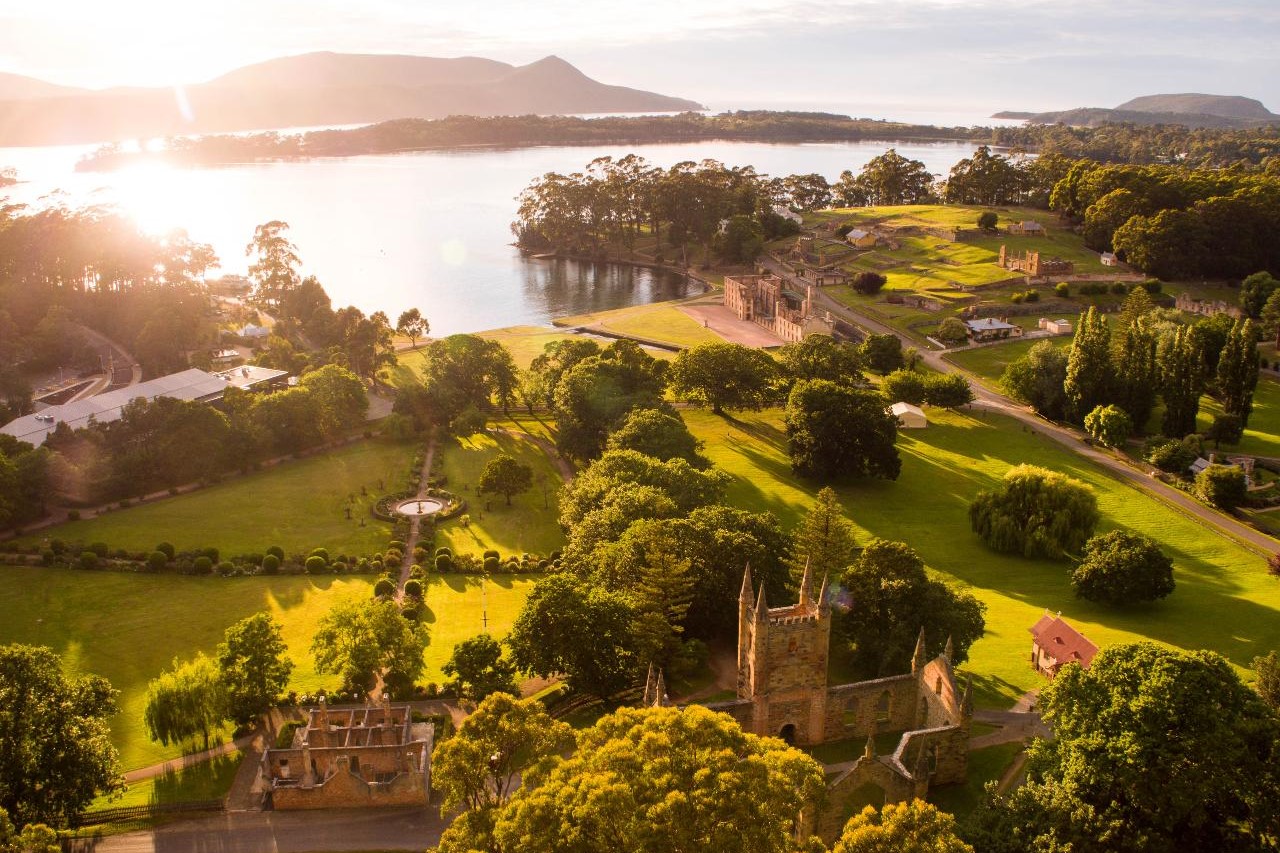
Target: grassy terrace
{"x": 1219, "y": 583}
{"x": 529, "y": 524}
{"x": 128, "y": 628}
{"x": 298, "y": 505}
{"x": 660, "y": 321}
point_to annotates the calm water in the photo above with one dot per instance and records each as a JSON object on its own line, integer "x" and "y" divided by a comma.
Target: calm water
{"x": 428, "y": 229}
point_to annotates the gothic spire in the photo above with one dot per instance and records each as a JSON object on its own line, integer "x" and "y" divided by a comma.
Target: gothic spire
{"x": 806, "y": 585}
{"x": 747, "y": 592}
{"x": 918, "y": 659}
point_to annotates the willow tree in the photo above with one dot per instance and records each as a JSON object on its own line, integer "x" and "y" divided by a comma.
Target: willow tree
{"x": 187, "y": 701}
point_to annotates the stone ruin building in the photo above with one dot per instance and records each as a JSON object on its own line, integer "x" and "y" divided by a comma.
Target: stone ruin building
{"x": 783, "y": 692}
{"x": 767, "y": 301}
{"x": 1032, "y": 264}
{"x": 352, "y": 756}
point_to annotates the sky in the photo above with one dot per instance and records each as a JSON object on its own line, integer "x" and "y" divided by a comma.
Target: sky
{"x": 858, "y": 55}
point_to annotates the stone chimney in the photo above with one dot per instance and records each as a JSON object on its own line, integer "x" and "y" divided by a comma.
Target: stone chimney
{"x": 387, "y": 719}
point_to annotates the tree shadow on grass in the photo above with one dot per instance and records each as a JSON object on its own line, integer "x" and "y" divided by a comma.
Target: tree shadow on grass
{"x": 207, "y": 780}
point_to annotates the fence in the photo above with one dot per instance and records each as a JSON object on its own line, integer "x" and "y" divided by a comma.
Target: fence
{"x": 127, "y": 813}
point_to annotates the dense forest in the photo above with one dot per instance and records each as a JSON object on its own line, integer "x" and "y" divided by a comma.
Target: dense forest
{"x": 1254, "y": 149}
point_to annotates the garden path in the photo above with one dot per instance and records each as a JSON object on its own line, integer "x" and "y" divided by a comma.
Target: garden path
{"x": 415, "y": 522}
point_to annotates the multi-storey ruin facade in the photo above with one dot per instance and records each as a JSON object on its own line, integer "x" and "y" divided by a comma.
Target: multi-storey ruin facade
{"x": 767, "y": 301}
{"x": 352, "y": 756}
{"x": 1032, "y": 264}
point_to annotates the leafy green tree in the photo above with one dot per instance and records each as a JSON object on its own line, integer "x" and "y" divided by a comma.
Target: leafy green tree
{"x": 1105, "y": 216}
{"x": 414, "y": 325}
{"x": 821, "y": 357}
{"x": 1255, "y": 291}
{"x": 1136, "y": 373}
{"x": 1089, "y": 369}
{"x": 1223, "y": 486}
{"x": 835, "y": 431}
{"x": 904, "y": 386}
{"x": 868, "y": 283}
{"x": 1038, "y": 379}
{"x": 558, "y": 358}
{"x": 892, "y": 599}
{"x": 462, "y": 373}
{"x": 1139, "y": 712}
{"x": 659, "y": 434}
{"x": 598, "y": 393}
{"x": 645, "y": 780}
{"x": 953, "y": 332}
{"x": 887, "y": 179}
{"x": 911, "y": 827}
{"x": 1109, "y": 425}
{"x": 882, "y": 353}
{"x": 741, "y": 241}
{"x": 1122, "y": 568}
{"x": 275, "y": 269}
{"x": 718, "y": 541}
{"x": 723, "y": 376}
{"x": 34, "y": 837}
{"x": 476, "y": 669}
{"x": 824, "y": 541}
{"x": 1268, "y": 685}
{"x": 548, "y": 636}
{"x": 1270, "y": 319}
{"x": 357, "y": 639}
{"x": 505, "y": 475}
{"x": 1238, "y": 371}
{"x": 985, "y": 178}
{"x": 1036, "y": 513}
{"x": 661, "y": 593}
{"x": 947, "y": 390}
{"x": 987, "y": 220}
{"x": 253, "y": 666}
{"x": 55, "y": 745}
{"x": 1181, "y": 365}
{"x": 679, "y": 481}
{"x": 190, "y": 700}
{"x": 340, "y": 396}
{"x": 479, "y": 768}
{"x": 1225, "y": 429}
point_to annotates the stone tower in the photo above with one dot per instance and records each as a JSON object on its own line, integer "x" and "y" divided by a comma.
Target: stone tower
{"x": 782, "y": 661}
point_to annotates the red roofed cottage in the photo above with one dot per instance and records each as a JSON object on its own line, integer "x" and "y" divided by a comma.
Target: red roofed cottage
{"x": 1055, "y": 643}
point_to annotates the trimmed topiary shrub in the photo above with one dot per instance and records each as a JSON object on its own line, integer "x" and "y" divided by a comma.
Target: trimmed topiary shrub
{"x": 444, "y": 563}
{"x": 157, "y": 560}
{"x": 321, "y": 553}
{"x": 316, "y": 565}
{"x": 202, "y": 565}
{"x": 100, "y": 548}
{"x": 444, "y": 551}
{"x": 491, "y": 553}
{"x": 167, "y": 549}
{"x": 270, "y": 564}
{"x": 491, "y": 564}
{"x": 413, "y": 588}
{"x": 384, "y": 588}
{"x": 88, "y": 560}
{"x": 277, "y": 551}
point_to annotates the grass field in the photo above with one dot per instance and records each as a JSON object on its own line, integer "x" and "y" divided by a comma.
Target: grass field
{"x": 660, "y": 321}
{"x": 989, "y": 362}
{"x": 128, "y": 628}
{"x": 529, "y": 524}
{"x": 985, "y": 765}
{"x": 208, "y": 780}
{"x": 298, "y": 505}
{"x": 1225, "y": 600}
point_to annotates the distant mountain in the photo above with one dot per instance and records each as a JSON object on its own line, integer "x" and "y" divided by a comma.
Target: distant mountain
{"x": 1192, "y": 110}
{"x": 15, "y": 87}
{"x": 1225, "y": 106}
{"x": 321, "y": 89}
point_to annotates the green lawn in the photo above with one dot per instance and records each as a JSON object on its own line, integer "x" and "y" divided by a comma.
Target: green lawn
{"x": 298, "y": 505}
{"x": 529, "y": 524}
{"x": 1225, "y": 600}
{"x": 208, "y": 780}
{"x": 985, "y": 765}
{"x": 989, "y": 362}
{"x": 128, "y": 628}
{"x": 659, "y": 321}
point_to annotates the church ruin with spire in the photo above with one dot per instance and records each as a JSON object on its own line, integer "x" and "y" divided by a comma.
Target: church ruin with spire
{"x": 783, "y": 691}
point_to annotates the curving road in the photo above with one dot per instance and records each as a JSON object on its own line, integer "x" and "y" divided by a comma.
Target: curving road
{"x": 1072, "y": 439}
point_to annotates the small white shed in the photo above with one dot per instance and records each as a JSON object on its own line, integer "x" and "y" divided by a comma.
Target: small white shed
{"x": 909, "y": 416}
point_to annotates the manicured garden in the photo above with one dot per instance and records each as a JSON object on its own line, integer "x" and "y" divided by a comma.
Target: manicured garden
{"x": 1225, "y": 599}
{"x": 128, "y": 628}
{"x": 298, "y": 505}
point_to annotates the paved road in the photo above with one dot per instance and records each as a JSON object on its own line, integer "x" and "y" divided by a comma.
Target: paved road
{"x": 1072, "y": 439}
{"x": 282, "y": 832}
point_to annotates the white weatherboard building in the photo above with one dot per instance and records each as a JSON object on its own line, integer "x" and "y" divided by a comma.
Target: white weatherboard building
{"x": 909, "y": 416}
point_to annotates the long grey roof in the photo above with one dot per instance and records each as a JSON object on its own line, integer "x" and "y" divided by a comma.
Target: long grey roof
{"x": 190, "y": 384}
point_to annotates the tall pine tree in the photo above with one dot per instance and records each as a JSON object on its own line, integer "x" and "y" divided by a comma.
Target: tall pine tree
{"x": 1135, "y": 371}
{"x": 824, "y": 540}
{"x": 1182, "y": 375}
{"x": 1238, "y": 370}
{"x": 1088, "y": 382}
{"x": 662, "y": 593}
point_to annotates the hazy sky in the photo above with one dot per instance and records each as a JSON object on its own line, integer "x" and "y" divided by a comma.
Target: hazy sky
{"x": 963, "y": 54}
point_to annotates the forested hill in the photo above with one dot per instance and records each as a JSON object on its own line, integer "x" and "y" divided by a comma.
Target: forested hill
{"x": 1189, "y": 110}
{"x": 317, "y": 89}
